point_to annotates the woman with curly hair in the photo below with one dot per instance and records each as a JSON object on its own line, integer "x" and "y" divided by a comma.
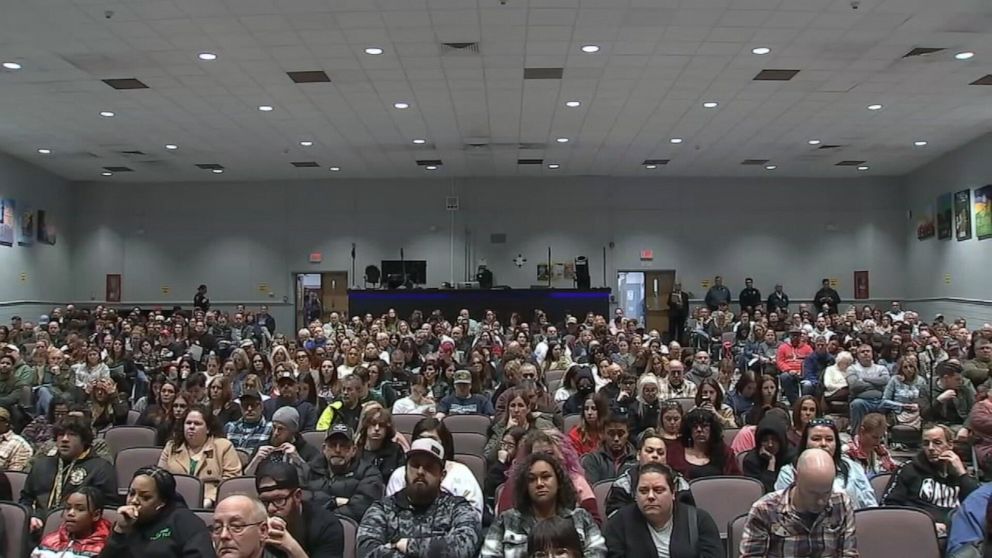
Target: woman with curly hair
{"x": 542, "y": 490}
{"x": 552, "y": 442}
{"x": 703, "y": 452}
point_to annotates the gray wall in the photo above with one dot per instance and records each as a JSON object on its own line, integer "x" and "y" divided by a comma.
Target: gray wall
{"x": 968, "y": 262}
{"x": 46, "y": 267}
{"x": 235, "y": 236}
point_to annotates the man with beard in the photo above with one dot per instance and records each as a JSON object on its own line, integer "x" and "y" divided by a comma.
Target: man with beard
{"x": 934, "y": 481}
{"x": 288, "y": 397}
{"x": 296, "y": 528}
{"x": 701, "y": 368}
{"x": 421, "y": 520}
{"x": 340, "y": 480}
{"x": 72, "y": 465}
{"x": 615, "y": 455}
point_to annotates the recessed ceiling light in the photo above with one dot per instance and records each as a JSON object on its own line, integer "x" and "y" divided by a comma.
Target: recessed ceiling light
{"x": 964, "y": 55}
{"x": 171, "y": 146}
{"x": 335, "y": 169}
{"x": 562, "y": 140}
{"x": 375, "y": 51}
{"x": 553, "y": 166}
{"x": 401, "y": 105}
{"x": 207, "y": 56}
{"x": 652, "y": 167}
{"x": 306, "y": 143}
{"x": 920, "y": 143}
{"x": 875, "y": 107}
{"x": 761, "y": 50}
{"x": 863, "y": 168}
{"x": 710, "y": 104}
{"x": 107, "y": 173}
{"x": 265, "y": 108}
{"x": 107, "y": 114}
{"x": 45, "y": 151}
{"x": 814, "y": 142}
{"x": 420, "y": 141}
{"x": 218, "y": 171}
{"x": 572, "y": 104}
{"x": 12, "y": 65}
{"x": 676, "y": 140}
{"x": 590, "y": 48}
{"x": 770, "y": 167}
{"x": 431, "y": 167}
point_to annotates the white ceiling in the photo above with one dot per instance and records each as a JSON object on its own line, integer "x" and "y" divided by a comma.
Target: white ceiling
{"x": 660, "y": 59}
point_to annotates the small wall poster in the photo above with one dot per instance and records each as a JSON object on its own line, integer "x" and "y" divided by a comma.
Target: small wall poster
{"x": 983, "y": 212}
{"x": 926, "y": 226}
{"x": 46, "y": 230}
{"x": 26, "y": 225}
{"x": 7, "y": 222}
{"x": 962, "y": 214}
{"x": 861, "y": 287}
{"x": 113, "y": 287}
{"x": 945, "y": 216}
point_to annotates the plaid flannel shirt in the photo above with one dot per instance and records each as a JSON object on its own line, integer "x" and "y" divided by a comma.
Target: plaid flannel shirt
{"x": 248, "y": 437}
{"x": 507, "y": 536}
{"x": 774, "y": 529}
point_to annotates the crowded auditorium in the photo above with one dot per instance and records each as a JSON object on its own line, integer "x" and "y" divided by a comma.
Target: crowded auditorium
{"x": 495, "y": 278}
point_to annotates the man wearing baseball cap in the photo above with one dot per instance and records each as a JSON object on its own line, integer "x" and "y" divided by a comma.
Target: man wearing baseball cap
{"x": 463, "y": 401}
{"x": 297, "y": 528}
{"x": 397, "y": 523}
{"x": 252, "y": 431}
{"x": 285, "y": 445}
{"x": 289, "y": 397}
{"x": 340, "y": 479}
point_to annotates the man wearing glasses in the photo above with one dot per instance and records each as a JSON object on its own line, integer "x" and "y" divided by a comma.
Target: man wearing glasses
{"x": 240, "y": 528}
{"x": 296, "y": 529}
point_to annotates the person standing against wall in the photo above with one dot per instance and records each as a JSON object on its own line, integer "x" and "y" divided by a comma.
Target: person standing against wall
{"x": 200, "y": 300}
{"x": 678, "y": 312}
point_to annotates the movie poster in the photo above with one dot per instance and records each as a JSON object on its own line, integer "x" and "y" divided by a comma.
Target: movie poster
{"x": 26, "y": 225}
{"x": 7, "y": 222}
{"x": 962, "y": 214}
{"x": 926, "y": 226}
{"x": 983, "y": 212}
{"x": 945, "y": 216}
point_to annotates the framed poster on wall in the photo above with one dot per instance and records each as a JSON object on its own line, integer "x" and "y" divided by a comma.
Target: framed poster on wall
{"x": 983, "y": 212}
{"x": 113, "y": 287}
{"x": 861, "y": 287}
{"x": 945, "y": 216}
{"x": 962, "y": 214}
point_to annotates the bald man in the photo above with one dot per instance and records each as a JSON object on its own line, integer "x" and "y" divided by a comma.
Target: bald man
{"x": 820, "y": 522}
{"x": 240, "y": 528}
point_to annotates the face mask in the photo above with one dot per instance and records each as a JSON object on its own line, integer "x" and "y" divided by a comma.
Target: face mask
{"x": 585, "y": 388}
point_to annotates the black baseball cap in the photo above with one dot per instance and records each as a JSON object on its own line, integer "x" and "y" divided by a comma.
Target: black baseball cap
{"x": 282, "y": 473}
{"x": 340, "y": 429}
{"x": 251, "y": 394}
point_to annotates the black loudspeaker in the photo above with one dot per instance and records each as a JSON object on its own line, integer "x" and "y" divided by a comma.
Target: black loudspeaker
{"x": 485, "y": 278}
{"x": 582, "y": 279}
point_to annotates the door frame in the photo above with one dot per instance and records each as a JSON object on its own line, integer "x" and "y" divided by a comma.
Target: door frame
{"x": 292, "y": 280}
{"x": 646, "y": 270}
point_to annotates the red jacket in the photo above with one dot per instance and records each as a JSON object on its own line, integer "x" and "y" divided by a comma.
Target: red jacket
{"x": 60, "y": 544}
{"x": 790, "y": 359}
{"x": 581, "y": 446}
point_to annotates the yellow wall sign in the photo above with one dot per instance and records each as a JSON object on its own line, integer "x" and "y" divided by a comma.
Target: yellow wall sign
{"x": 947, "y": 278}
{"x": 165, "y": 289}
{"x": 263, "y": 287}
{"x": 24, "y": 277}
{"x": 705, "y": 283}
{"x": 833, "y": 282}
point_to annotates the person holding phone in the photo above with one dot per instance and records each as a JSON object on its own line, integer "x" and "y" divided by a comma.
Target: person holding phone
{"x": 934, "y": 481}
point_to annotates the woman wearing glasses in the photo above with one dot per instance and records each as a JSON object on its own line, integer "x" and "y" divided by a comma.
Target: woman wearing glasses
{"x": 822, "y": 433}
{"x": 155, "y": 522}
{"x": 703, "y": 452}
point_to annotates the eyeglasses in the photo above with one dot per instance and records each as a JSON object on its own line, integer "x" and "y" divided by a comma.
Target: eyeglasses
{"x": 235, "y": 528}
{"x": 277, "y": 502}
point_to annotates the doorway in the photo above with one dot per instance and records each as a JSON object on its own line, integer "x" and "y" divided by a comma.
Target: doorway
{"x": 644, "y": 297}
{"x": 319, "y": 294}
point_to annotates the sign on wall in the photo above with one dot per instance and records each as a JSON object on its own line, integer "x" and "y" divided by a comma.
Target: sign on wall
{"x": 962, "y": 215}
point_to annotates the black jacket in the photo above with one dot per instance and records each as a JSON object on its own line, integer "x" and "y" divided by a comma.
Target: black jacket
{"x": 320, "y": 534}
{"x": 918, "y": 485}
{"x": 175, "y": 533}
{"x": 777, "y": 301}
{"x": 386, "y": 459}
{"x": 750, "y": 298}
{"x": 361, "y": 484}
{"x": 628, "y": 535}
{"x": 755, "y": 465}
{"x": 573, "y": 405}
{"x": 600, "y": 466}
{"x": 622, "y": 493}
{"x": 89, "y": 471}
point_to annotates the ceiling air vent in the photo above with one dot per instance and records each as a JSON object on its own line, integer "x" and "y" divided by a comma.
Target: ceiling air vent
{"x": 314, "y": 76}
{"x": 921, "y": 51}
{"x": 118, "y": 169}
{"x": 427, "y": 162}
{"x": 775, "y": 75}
{"x": 850, "y": 163}
{"x": 656, "y": 161}
{"x": 210, "y": 166}
{"x": 125, "y": 83}
{"x": 459, "y": 48}
{"x": 530, "y": 161}
{"x": 543, "y": 73}
{"x": 305, "y": 164}
{"x": 829, "y": 146}
{"x": 754, "y": 162}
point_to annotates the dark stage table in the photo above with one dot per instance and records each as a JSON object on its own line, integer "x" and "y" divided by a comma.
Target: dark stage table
{"x": 554, "y": 302}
